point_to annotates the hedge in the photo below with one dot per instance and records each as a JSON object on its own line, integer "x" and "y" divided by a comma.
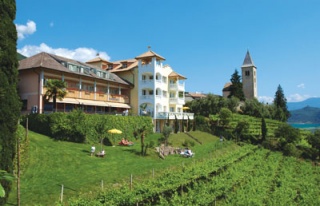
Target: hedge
{"x": 80, "y": 127}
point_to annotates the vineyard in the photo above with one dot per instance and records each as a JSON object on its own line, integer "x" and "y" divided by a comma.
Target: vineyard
{"x": 246, "y": 175}
{"x": 255, "y": 125}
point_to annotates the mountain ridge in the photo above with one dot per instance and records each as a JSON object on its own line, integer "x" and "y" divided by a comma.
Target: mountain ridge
{"x": 311, "y": 102}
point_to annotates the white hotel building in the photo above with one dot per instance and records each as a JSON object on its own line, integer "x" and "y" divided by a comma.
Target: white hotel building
{"x": 157, "y": 90}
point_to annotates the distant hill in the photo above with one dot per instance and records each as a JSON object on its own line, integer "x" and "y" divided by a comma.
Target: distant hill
{"x": 311, "y": 102}
{"x": 305, "y": 115}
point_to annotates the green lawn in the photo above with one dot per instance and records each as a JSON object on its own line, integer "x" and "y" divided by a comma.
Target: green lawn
{"x": 53, "y": 163}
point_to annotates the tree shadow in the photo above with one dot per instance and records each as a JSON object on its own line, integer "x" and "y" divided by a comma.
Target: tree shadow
{"x": 68, "y": 188}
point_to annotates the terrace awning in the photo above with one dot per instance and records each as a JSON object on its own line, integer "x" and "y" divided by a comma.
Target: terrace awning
{"x": 67, "y": 100}
{"x": 119, "y": 105}
{"x": 93, "y": 103}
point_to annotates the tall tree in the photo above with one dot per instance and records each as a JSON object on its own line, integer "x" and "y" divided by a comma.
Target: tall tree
{"x": 281, "y": 112}
{"x": 56, "y": 89}
{"x": 236, "y": 89}
{"x": 9, "y": 99}
{"x": 264, "y": 129}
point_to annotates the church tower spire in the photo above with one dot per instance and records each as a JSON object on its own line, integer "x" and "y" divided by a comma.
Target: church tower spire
{"x": 249, "y": 77}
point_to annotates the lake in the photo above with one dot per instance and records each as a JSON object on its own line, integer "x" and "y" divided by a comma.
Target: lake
{"x": 306, "y": 126}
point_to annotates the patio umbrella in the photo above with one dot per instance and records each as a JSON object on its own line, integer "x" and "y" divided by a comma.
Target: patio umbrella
{"x": 114, "y": 131}
{"x": 185, "y": 108}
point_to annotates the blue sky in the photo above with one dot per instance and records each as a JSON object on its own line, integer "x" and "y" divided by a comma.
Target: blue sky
{"x": 204, "y": 40}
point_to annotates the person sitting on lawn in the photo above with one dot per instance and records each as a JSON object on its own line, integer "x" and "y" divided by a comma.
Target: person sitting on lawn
{"x": 123, "y": 142}
{"x": 128, "y": 142}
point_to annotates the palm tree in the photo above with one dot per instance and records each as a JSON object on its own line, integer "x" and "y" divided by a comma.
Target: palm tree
{"x": 55, "y": 89}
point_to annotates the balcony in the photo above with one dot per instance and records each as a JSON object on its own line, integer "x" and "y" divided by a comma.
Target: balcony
{"x": 118, "y": 98}
{"x": 179, "y": 101}
{"x": 177, "y": 86}
{"x": 149, "y": 97}
{"x": 173, "y": 115}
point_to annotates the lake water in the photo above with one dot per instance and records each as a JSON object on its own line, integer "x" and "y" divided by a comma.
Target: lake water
{"x": 306, "y": 126}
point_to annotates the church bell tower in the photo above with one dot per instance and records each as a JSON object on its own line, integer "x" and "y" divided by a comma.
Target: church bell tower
{"x": 249, "y": 78}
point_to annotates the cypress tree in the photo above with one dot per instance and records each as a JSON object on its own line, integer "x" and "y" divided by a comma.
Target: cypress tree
{"x": 264, "y": 129}
{"x": 9, "y": 99}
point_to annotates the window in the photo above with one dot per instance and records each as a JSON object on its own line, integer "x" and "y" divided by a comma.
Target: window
{"x": 73, "y": 68}
{"x": 87, "y": 87}
{"x": 247, "y": 73}
{"x": 144, "y": 92}
{"x": 72, "y": 85}
{"x": 164, "y": 93}
{"x": 124, "y": 65}
{"x": 150, "y": 92}
{"x": 143, "y": 77}
{"x": 171, "y": 109}
{"x": 110, "y": 66}
{"x": 164, "y": 79}
{"x": 114, "y": 91}
{"x": 151, "y": 77}
{"x": 172, "y": 95}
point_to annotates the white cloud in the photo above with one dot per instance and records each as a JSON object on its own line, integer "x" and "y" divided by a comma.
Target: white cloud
{"x": 24, "y": 30}
{"x": 82, "y": 54}
{"x": 297, "y": 97}
{"x": 302, "y": 86}
{"x": 265, "y": 99}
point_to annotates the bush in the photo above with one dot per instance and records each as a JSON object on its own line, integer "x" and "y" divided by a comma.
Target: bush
{"x": 291, "y": 150}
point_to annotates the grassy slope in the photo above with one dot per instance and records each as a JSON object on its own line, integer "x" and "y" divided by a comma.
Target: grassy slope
{"x": 52, "y": 163}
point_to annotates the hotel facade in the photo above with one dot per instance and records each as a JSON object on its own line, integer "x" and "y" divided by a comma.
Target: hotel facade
{"x": 139, "y": 86}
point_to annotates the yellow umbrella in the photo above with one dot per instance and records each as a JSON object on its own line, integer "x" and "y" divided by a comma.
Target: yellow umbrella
{"x": 114, "y": 131}
{"x": 185, "y": 108}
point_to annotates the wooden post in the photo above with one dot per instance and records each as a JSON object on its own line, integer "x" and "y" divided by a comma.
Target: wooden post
{"x": 101, "y": 184}
{"x": 153, "y": 173}
{"x": 131, "y": 182}
{"x": 61, "y": 195}
{"x": 18, "y": 171}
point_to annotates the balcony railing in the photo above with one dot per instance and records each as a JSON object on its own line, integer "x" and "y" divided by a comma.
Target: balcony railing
{"x": 177, "y": 86}
{"x": 173, "y": 100}
{"x": 173, "y": 115}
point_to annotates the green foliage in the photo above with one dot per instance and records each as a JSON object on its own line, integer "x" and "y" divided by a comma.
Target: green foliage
{"x": 280, "y": 102}
{"x": 176, "y": 124}
{"x": 291, "y": 150}
{"x": 188, "y": 143}
{"x": 56, "y": 89}
{"x": 7, "y": 177}
{"x": 166, "y": 133}
{"x": 314, "y": 141}
{"x": 264, "y": 129}
{"x": 236, "y": 89}
{"x": 201, "y": 123}
{"x": 225, "y": 116}
{"x": 287, "y": 134}
{"x": 241, "y": 128}
{"x": 255, "y": 108}
{"x": 77, "y": 126}
{"x": 9, "y": 99}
